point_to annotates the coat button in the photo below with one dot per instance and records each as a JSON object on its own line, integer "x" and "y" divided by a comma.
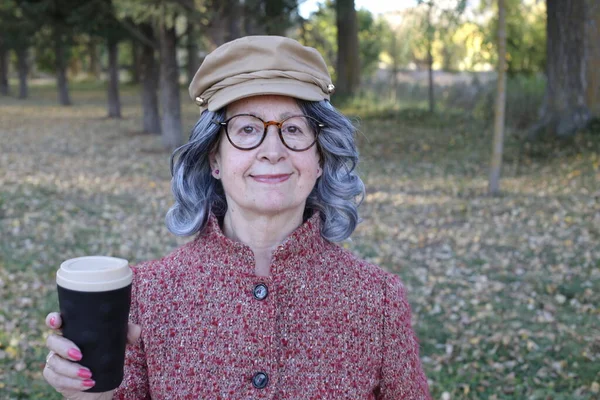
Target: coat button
{"x": 260, "y": 380}
{"x": 260, "y": 291}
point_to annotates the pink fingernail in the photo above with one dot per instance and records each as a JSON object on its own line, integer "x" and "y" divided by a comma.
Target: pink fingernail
{"x": 75, "y": 354}
{"x": 52, "y": 321}
{"x": 88, "y": 383}
{"x": 84, "y": 373}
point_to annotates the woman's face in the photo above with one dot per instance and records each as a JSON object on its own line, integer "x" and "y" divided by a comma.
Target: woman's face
{"x": 271, "y": 178}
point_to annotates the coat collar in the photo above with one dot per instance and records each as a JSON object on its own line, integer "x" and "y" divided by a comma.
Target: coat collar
{"x": 305, "y": 241}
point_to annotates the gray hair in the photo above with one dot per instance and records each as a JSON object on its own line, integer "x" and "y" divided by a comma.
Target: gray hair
{"x": 336, "y": 195}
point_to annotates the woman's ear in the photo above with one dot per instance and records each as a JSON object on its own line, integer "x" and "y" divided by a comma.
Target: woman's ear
{"x": 213, "y": 159}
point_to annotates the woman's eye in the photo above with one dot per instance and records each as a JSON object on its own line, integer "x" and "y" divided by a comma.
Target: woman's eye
{"x": 292, "y": 129}
{"x": 248, "y": 129}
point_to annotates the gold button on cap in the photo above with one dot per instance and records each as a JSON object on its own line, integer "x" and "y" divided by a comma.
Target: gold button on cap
{"x": 200, "y": 101}
{"x": 330, "y": 88}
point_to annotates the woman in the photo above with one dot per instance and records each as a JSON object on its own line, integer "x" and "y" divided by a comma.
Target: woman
{"x": 262, "y": 304}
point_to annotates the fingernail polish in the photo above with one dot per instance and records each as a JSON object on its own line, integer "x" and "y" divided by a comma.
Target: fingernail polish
{"x": 52, "y": 321}
{"x": 88, "y": 383}
{"x": 84, "y": 373}
{"x": 75, "y": 354}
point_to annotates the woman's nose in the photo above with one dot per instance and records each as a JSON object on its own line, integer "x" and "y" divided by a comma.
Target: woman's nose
{"x": 272, "y": 148}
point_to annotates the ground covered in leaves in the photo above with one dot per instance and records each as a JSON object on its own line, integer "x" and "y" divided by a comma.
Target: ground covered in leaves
{"x": 505, "y": 290}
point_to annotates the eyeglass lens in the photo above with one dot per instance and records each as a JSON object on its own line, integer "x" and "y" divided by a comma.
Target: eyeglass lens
{"x": 246, "y": 131}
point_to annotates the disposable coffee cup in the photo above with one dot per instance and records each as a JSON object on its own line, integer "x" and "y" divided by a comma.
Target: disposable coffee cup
{"x": 94, "y": 295}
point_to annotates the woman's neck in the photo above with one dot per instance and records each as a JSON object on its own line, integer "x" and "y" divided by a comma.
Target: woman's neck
{"x": 262, "y": 233}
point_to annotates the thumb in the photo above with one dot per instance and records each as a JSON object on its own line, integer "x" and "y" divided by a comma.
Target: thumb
{"x": 133, "y": 333}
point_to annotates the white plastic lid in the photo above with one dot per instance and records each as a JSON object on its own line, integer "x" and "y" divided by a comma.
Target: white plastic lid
{"x": 94, "y": 274}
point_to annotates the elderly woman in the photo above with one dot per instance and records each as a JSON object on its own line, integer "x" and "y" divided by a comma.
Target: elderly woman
{"x": 262, "y": 303}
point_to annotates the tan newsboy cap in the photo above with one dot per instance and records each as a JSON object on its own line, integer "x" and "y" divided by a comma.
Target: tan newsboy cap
{"x": 256, "y": 65}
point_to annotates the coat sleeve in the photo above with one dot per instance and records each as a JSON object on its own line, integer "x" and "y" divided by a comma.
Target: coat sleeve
{"x": 402, "y": 373}
{"x": 135, "y": 382}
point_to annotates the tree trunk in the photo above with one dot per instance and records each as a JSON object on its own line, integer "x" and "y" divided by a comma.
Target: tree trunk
{"x": 497, "y": 147}
{"x": 134, "y": 70}
{"x": 275, "y": 21}
{"x": 114, "y": 103}
{"x": 61, "y": 69}
{"x": 395, "y": 55}
{"x": 169, "y": 88}
{"x": 193, "y": 61}
{"x": 4, "y": 87}
{"x": 430, "y": 59}
{"x": 252, "y": 24}
{"x": 149, "y": 75}
{"x": 94, "y": 62}
{"x": 348, "y": 63}
{"x": 232, "y": 13}
{"x": 593, "y": 57}
{"x": 565, "y": 111}
{"x": 23, "y": 68}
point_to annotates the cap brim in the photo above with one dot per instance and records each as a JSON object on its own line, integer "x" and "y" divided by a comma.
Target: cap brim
{"x": 257, "y": 87}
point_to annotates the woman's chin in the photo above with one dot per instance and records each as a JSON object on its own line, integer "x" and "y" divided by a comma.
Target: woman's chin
{"x": 276, "y": 207}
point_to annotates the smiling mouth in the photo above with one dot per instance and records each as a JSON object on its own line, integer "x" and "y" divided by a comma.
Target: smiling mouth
{"x": 271, "y": 178}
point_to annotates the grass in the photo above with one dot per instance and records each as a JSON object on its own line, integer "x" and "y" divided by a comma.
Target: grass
{"x": 505, "y": 290}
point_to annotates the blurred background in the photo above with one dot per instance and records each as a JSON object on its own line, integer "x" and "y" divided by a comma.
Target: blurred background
{"x": 479, "y": 132}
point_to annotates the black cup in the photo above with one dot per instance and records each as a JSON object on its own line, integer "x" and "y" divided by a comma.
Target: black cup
{"x": 94, "y": 295}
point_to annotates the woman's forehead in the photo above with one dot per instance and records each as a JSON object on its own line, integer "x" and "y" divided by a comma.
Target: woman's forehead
{"x": 265, "y": 106}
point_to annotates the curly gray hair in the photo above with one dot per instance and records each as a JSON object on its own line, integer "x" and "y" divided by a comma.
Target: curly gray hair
{"x": 336, "y": 195}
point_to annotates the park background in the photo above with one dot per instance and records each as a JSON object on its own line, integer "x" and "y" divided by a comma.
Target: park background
{"x": 503, "y": 281}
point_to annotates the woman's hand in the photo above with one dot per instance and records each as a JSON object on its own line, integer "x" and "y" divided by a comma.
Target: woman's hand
{"x": 62, "y": 371}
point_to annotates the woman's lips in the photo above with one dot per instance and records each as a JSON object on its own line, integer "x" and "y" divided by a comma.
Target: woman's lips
{"x": 271, "y": 178}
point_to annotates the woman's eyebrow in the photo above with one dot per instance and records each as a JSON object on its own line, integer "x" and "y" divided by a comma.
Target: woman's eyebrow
{"x": 282, "y": 116}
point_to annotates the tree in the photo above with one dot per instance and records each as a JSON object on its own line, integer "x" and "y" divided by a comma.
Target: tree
{"x": 98, "y": 19}
{"x": 4, "y": 87}
{"x": 94, "y": 60}
{"x": 496, "y": 162}
{"x": 149, "y": 76}
{"x": 433, "y": 14}
{"x": 107, "y": 26}
{"x": 277, "y": 15}
{"x": 158, "y": 20}
{"x": 233, "y": 13}
{"x": 525, "y": 35}
{"x": 169, "y": 82}
{"x": 62, "y": 42}
{"x": 193, "y": 61}
{"x": 565, "y": 110}
{"x": 60, "y": 22}
{"x": 348, "y": 61}
{"x": 430, "y": 34}
{"x": 135, "y": 61}
{"x": 320, "y": 31}
{"x": 18, "y": 30}
{"x": 396, "y": 50}
{"x": 114, "y": 102}
{"x": 593, "y": 57}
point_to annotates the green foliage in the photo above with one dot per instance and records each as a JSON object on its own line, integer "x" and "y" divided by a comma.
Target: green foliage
{"x": 320, "y": 31}
{"x": 18, "y": 23}
{"x": 396, "y": 43}
{"x": 434, "y": 24}
{"x": 370, "y": 33}
{"x": 525, "y": 35}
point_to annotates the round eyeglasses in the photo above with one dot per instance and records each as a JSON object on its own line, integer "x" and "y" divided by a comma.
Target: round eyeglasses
{"x": 247, "y": 131}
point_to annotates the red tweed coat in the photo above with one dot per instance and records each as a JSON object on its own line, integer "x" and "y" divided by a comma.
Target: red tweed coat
{"x": 324, "y": 325}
